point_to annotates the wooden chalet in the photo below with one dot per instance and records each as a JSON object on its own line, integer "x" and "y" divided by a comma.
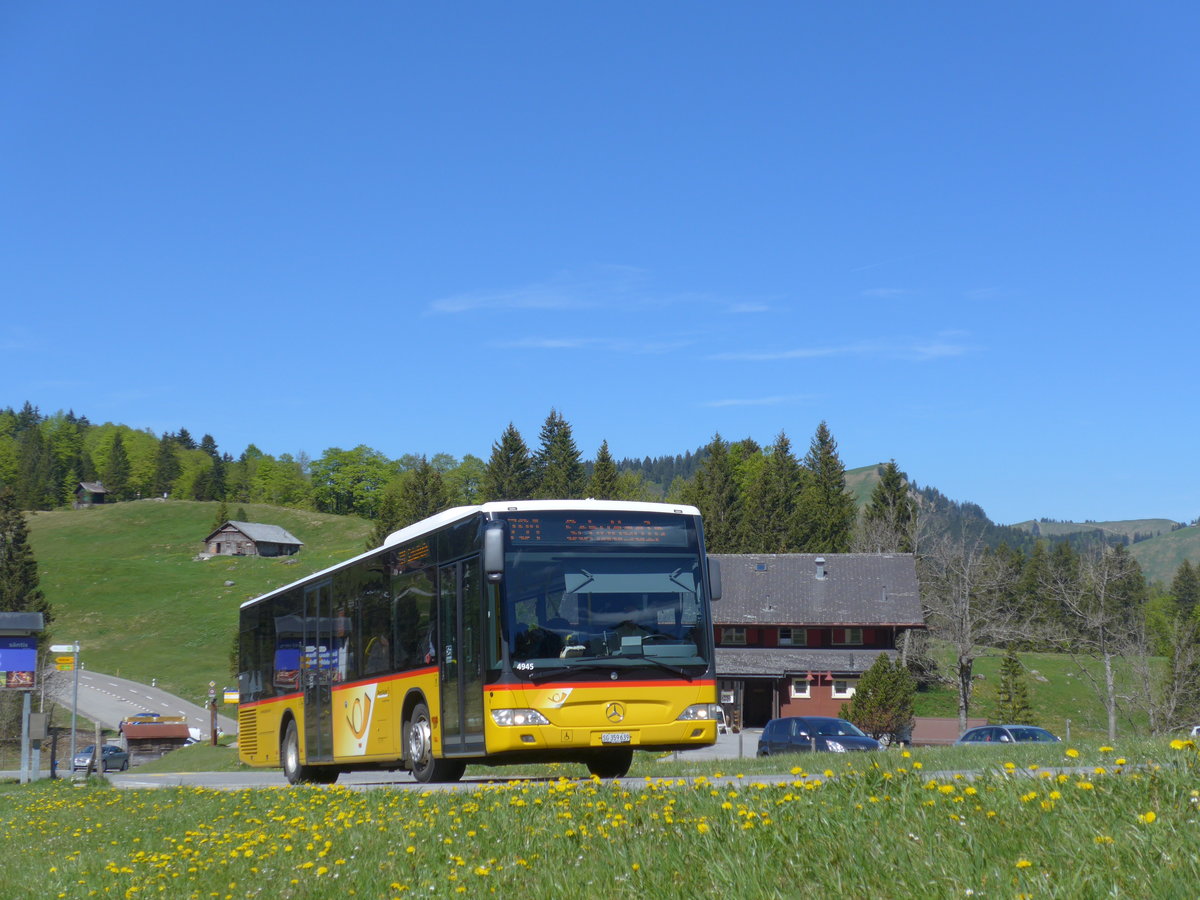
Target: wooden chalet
{"x": 89, "y": 493}
{"x": 252, "y": 539}
{"x": 148, "y": 741}
{"x": 795, "y": 632}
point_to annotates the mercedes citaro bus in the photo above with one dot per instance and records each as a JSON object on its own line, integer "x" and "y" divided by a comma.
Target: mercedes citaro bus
{"x": 509, "y": 632}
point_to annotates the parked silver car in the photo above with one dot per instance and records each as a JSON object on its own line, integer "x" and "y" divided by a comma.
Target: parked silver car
{"x": 1004, "y": 734}
{"x": 111, "y": 757}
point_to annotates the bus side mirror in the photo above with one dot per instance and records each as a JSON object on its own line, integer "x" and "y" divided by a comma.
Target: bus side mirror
{"x": 714, "y": 578}
{"x": 493, "y": 552}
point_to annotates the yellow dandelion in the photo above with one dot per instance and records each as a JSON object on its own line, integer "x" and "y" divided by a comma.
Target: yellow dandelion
{"x": 1023, "y": 864}
{"x": 1106, "y": 749}
{"x": 1073, "y": 753}
{"x": 1148, "y": 818}
{"x": 702, "y": 828}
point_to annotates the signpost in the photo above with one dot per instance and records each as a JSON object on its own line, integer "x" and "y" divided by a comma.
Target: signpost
{"x": 73, "y": 649}
{"x": 212, "y": 705}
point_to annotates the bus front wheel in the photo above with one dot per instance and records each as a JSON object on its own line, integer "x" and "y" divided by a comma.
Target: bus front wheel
{"x": 292, "y": 768}
{"x": 419, "y": 738}
{"x": 611, "y": 763}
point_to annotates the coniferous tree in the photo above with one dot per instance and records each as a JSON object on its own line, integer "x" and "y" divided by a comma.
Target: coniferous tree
{"x": 422, "y": 493}
{"x": 714, "y": 493}
{"x": 768, "y": 507}
{"x": 1185, "y": 587}
{"x": 558, "y": 468}
{"x": 221, "y": 516}
{"x": 889, "y": 518}
{"x": 34, "y": 490}
{"x": 166, "y": 466}
{"x": 184, "y": 439}
{"x": 882, "y": 704}
{"x": 19, "y": 589}
{"x": 826, "y": 510}
{"x": 509, "y": 472}
{"x": 116, "y": 470}
{"x": 604, "y": 483}
{"x": 1013, "y": 706}
{"x": 389, "y": 516}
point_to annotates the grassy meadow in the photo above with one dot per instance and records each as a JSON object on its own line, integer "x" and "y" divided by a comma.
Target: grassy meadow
{"x": 1091, "y": 822}
{"x": 124, "y": 581}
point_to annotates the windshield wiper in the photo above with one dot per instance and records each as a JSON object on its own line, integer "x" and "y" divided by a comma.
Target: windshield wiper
{"x": 549, "y": 674}
{"x": 540, "y": 675}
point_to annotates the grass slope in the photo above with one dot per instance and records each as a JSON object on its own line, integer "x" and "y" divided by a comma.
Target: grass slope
{"x": 124, "y": 581}
{"x": 1158, "y": 556}
{"x": 861, "y": 482}
{"x": 1059, "y": 690}
{"x": 1125, "y": 528}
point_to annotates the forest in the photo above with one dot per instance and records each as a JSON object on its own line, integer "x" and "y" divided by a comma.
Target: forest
{"x": 983, "y": 585}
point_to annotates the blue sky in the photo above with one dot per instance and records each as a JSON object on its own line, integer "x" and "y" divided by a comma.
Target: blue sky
{"x": 965, "y": 235}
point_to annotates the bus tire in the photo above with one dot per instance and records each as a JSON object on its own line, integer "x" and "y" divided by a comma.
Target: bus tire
{"x": 611, "y": 763}
{"x": 289, "y": 754}
{"x": 418, "y": 736}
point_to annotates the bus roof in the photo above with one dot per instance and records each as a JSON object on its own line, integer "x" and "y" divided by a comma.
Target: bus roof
{"x": 497, "y": 506}
{"x": 458, "y": 513}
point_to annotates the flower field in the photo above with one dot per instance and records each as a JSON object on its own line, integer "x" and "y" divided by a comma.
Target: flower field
{"x": 1095, "y": 825}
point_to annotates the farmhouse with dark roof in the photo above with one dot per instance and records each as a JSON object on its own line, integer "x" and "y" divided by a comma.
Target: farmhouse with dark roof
{"x": 794, "y": 632}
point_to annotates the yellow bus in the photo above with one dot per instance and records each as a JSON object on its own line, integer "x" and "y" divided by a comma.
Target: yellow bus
{"x": 509, "y": 632}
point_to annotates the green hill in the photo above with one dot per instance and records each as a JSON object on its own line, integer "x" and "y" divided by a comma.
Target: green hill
{"x": 125, "y": 581}
{"x": 861, "y": 482}
{"x": 1160, "y": 556}
{"x": 1128, "y": 528}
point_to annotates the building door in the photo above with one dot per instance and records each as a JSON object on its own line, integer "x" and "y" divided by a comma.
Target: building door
{"x": 460, "y": 620}
{"x": 319, "y": 665}
{"x": 758, "y": 703}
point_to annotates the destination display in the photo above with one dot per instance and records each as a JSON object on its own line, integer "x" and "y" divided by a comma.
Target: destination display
{"x": 635, "y": 529}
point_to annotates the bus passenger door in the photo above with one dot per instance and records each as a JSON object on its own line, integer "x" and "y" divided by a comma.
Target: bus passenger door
{"x": 318, "y": 668}
{"x": 460, "y": 614}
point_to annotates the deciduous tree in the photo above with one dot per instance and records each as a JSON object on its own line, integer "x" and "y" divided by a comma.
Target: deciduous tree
{"x": 889, "y": 522}
{"x": 963, "y": 590}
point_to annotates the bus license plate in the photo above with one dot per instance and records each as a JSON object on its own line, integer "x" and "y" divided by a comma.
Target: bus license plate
{"x": 615, "y": 737}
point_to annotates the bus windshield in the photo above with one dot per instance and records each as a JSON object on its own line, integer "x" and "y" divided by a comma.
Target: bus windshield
{"x": 623, "y": 606}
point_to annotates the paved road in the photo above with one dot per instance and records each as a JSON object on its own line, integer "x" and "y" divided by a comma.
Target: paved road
{"x": 107, "y": 699}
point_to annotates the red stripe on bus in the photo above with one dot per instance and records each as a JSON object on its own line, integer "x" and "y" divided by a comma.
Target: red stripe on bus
{"x": 598, "y": 684}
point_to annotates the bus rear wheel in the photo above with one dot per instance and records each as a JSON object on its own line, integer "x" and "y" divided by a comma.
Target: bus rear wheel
{"x": 611, "y": 763}
{"x": 419, "y": 743}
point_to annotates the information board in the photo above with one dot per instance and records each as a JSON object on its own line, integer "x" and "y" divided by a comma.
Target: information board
{"x": 18, "y": 663}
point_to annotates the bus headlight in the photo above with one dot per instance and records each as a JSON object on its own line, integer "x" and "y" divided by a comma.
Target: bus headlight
{"x": 699, "y": 712}
{"x": 518, "y": 717}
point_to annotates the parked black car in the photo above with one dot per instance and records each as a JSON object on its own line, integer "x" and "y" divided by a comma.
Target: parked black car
{"x": 804, "y": 734}
{"x": 111, "y": 757}
{"x": 1005, "y": 734}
